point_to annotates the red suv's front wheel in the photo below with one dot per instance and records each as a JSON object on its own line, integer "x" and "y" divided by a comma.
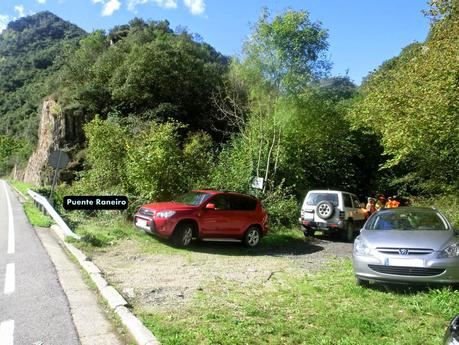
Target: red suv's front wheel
{"x": 183, "y": 235}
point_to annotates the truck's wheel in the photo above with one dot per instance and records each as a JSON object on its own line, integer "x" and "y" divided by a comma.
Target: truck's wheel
{"x": 183, "y": 235}
{"x": 348, "y": 232}
{"x": 308, "y": 232}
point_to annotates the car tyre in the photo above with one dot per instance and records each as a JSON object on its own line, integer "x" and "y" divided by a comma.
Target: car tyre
{"x": 362, "y": 282}
{"x": 308, "y": 232}
{"x": 325, "y": 209}
{"x": 183, "y": 235}
{"x": 348, "y": 232}
{"x": 252, "y": 237}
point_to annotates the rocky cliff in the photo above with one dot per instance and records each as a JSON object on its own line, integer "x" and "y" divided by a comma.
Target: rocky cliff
{"x": 51, "y": 136}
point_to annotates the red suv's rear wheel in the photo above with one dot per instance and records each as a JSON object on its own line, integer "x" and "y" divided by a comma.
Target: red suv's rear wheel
{"x": 252, "y": 237}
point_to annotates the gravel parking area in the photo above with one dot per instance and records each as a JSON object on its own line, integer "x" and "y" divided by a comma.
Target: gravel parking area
{"x": 167, "y": 279}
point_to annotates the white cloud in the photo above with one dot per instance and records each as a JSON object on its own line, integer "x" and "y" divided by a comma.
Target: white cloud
{"x": 196, "y": 7}
{"x": 20, "y": 10}
{"x": 41, "y": 1}
{"x": 109, "y": 6}
{"x": 4, "y": 20}
{"x": 132, "y": 4}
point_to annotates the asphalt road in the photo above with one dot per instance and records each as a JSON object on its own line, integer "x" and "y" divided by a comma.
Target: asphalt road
{"x": 33, "y": 307}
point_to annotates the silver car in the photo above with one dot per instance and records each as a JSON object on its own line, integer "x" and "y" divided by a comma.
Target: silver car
{"x": 407, "y": 245}
{"x": 452, "y": 333}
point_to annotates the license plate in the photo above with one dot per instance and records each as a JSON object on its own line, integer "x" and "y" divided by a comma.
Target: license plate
{"x": 405, "y": 262}
{"x": 321, "y": 225}
{"x": 141, "y": 222}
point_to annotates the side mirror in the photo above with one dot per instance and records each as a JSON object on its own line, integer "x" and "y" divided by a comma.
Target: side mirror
{"x": 210, "y": 206}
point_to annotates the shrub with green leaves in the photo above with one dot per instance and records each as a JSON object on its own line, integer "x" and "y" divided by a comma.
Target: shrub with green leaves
{"x": 154, "y": 166}
{"x": 105, "y": 154}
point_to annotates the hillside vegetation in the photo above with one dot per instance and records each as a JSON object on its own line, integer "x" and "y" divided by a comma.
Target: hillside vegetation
{"x": 165, "y": 112}
{"x": 31, "y": 53}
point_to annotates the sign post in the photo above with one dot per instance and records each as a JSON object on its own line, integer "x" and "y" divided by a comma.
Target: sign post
{"x": 57, "y": 159}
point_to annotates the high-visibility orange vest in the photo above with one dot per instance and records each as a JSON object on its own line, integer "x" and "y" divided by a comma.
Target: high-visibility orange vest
{"x": 392, "y": 204}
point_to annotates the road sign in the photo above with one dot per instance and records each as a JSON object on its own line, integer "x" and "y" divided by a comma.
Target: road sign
{"x": 58, "y": 159}
{"x": 257, "y": 182}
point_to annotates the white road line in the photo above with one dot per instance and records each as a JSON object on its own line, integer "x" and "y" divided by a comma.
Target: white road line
{"x": 10, "y": 221}
{"x": 7, "y": 332}
{"x": 10, "y": 279}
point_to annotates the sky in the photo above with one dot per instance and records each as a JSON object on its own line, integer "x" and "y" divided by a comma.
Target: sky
{"x": 362, "y": 33}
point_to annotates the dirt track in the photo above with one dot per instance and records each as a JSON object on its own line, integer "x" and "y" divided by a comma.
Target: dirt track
{"x": 169, "y": 279}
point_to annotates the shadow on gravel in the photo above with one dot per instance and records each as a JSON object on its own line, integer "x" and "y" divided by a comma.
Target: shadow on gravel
{"x": 285, "y": 247}
{"x": 406, "y": 289}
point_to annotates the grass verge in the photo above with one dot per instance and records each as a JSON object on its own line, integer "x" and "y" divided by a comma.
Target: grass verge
{"x": 322, "y": 308}
{"x": 36, "y": 218}
{"x": 21, "y": 186}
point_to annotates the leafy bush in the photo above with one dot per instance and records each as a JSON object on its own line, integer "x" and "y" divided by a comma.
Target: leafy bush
{"x": 105, "y": 154}
{"x": 153, "y": 165}
{"x": 282, "y": 207}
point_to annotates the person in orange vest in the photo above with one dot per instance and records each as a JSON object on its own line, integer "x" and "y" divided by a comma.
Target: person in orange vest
{"x": 392, "y": 203}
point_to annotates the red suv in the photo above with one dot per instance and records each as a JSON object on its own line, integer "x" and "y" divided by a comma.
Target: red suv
{"x": 205, "y": 215}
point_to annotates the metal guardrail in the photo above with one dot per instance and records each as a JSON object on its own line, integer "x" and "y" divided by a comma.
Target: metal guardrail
{"x": 42, "y": 203}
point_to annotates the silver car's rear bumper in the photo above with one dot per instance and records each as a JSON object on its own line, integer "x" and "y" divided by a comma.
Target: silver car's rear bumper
{"x": 433, "y": 270}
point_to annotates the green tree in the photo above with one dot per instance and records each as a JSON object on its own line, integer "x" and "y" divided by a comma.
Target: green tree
{"x": 288, "y": 50}
{"x": 143, "y": 69}
{"x": 411, "y": 103}
{"x": 105, "y": 155}
{"x": 291, "y": 131}
{"x": 153, "y": 163}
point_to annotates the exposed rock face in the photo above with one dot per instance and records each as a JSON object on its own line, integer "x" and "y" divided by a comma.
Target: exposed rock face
{"x": 51, "y": 136}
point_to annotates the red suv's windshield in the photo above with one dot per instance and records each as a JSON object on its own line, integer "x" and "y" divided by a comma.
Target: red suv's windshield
{"x": 192, "y": 198}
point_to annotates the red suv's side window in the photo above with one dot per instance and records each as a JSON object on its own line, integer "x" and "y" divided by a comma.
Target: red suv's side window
{"x": 221, "y": 202}
{"x": 240, "y": 203}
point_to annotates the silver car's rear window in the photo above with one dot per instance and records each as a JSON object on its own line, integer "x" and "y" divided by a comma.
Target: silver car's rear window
{"x": 408, "y": 219}
{"x": 314, "y": 198}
